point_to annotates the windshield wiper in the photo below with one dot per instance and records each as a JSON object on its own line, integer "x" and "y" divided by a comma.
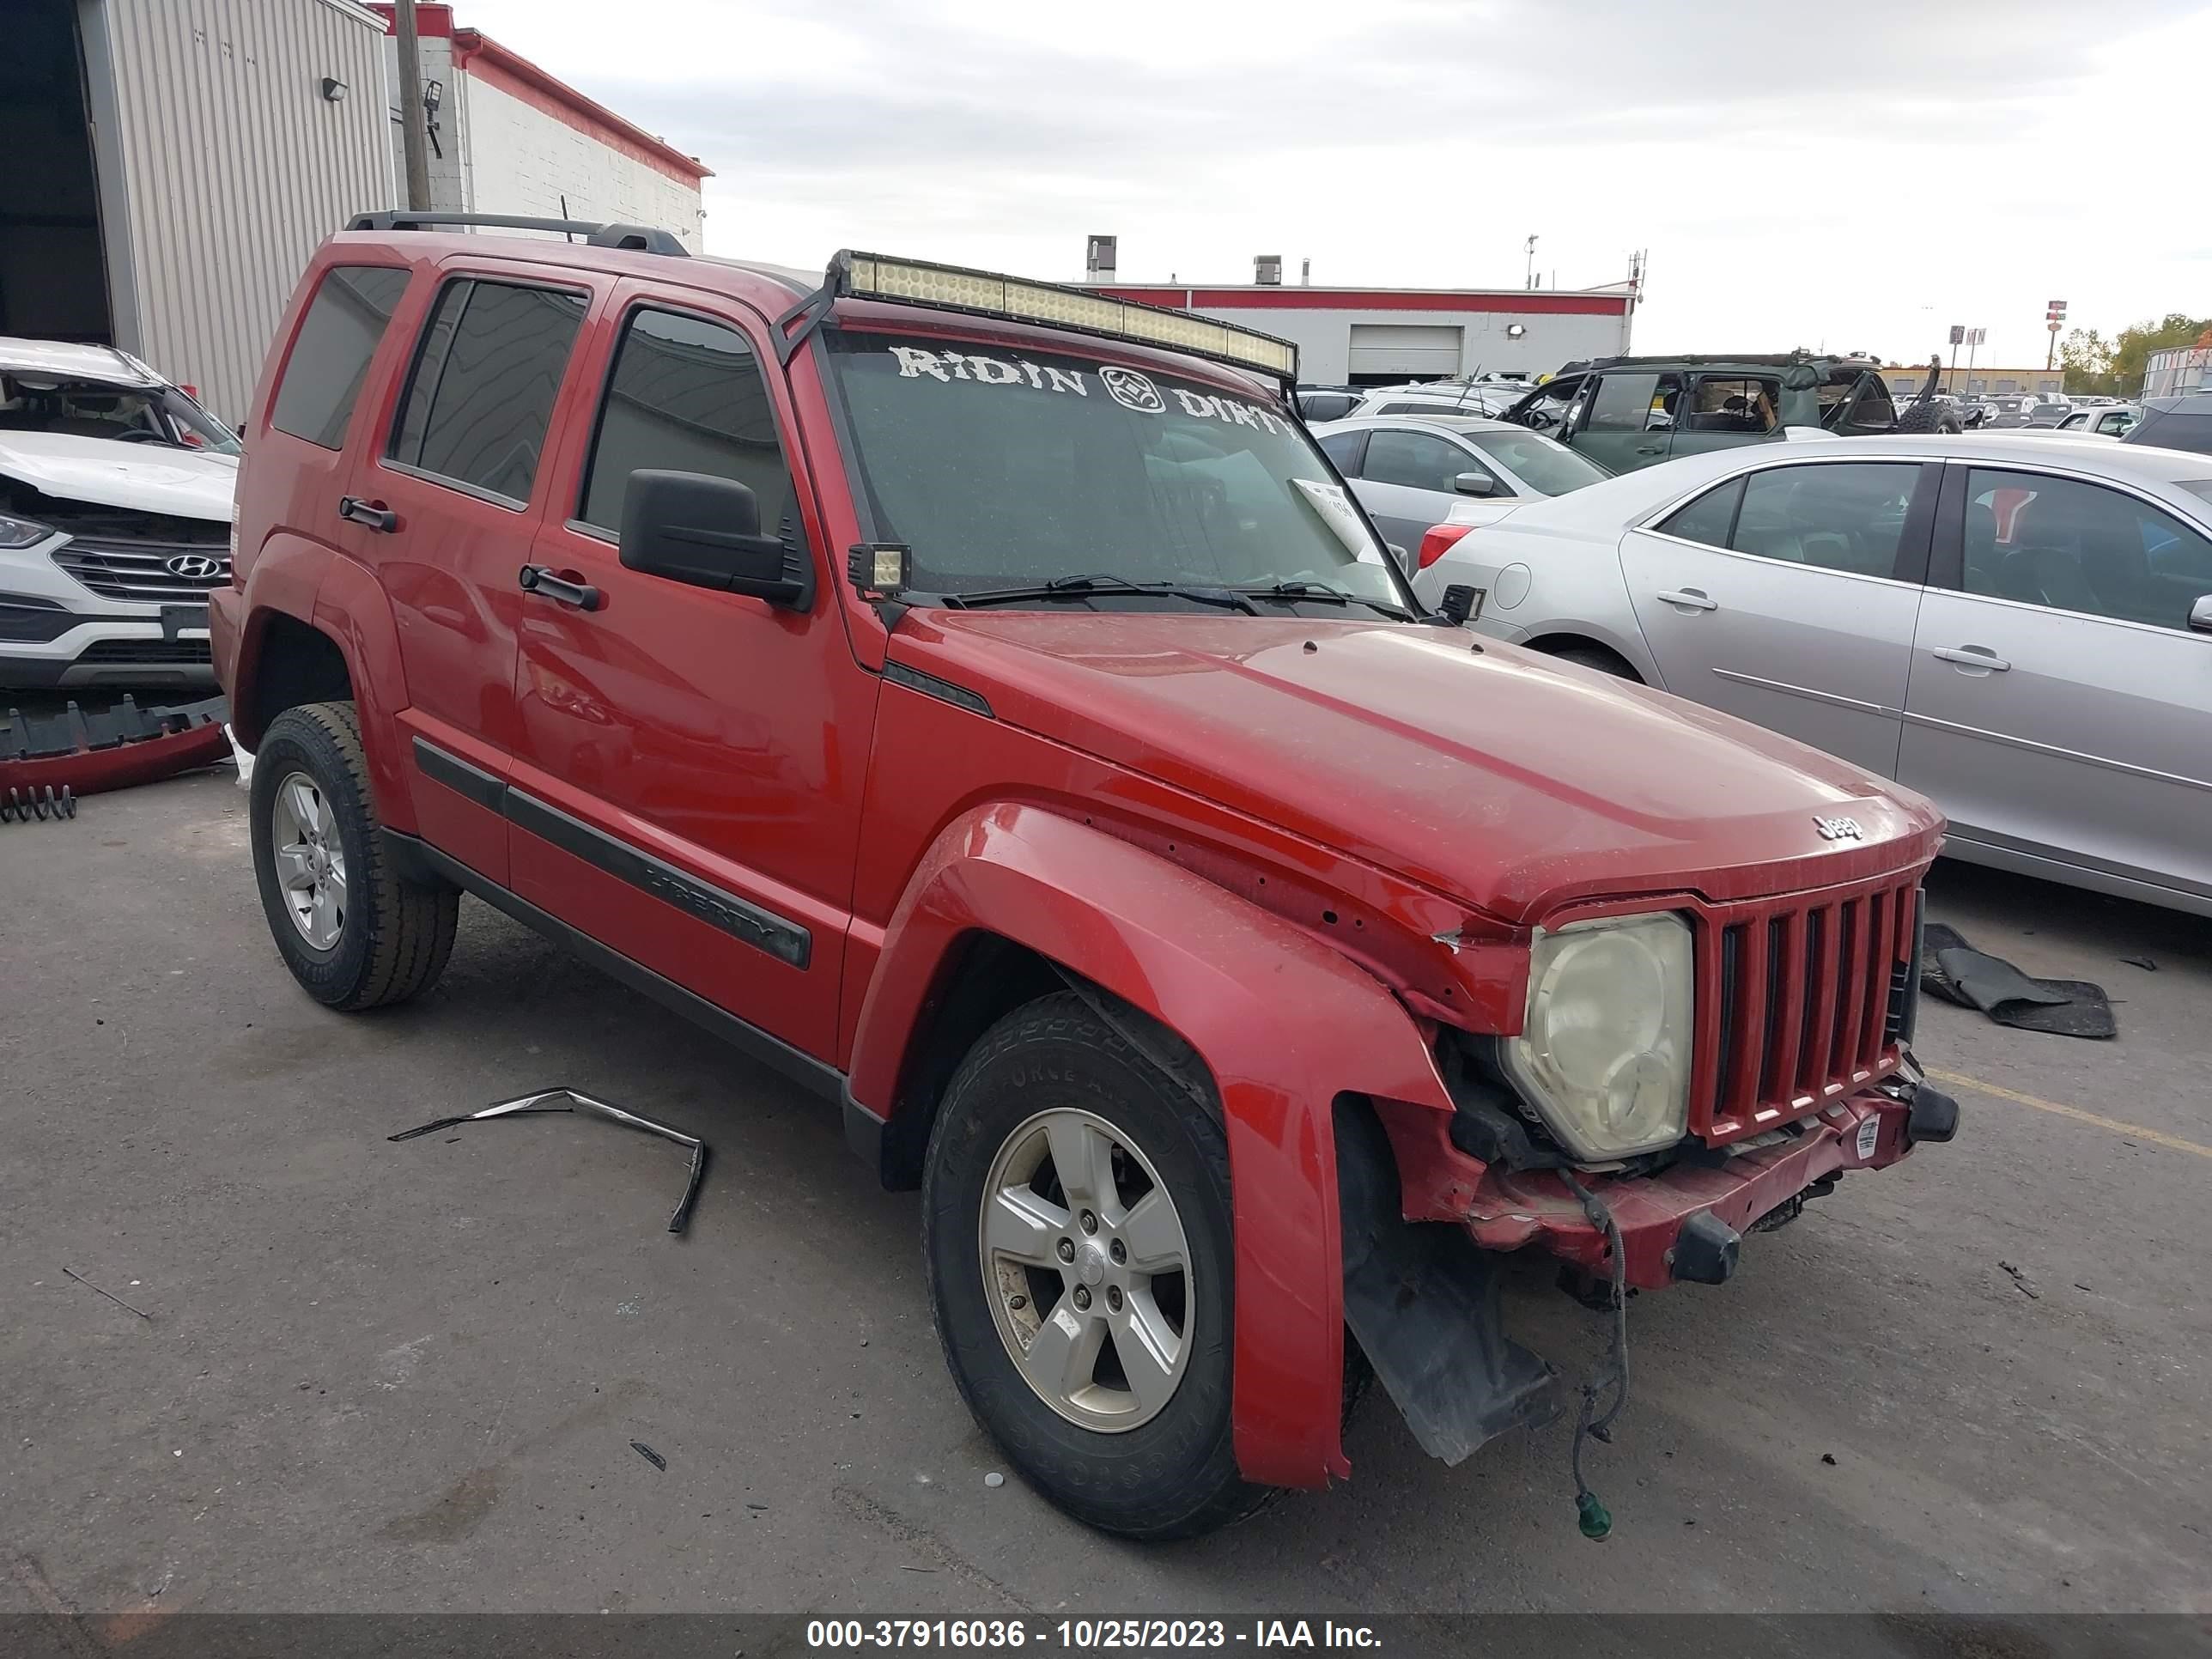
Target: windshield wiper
{"x": 1086, "y": 587}
{"x": 1325, "y": 594}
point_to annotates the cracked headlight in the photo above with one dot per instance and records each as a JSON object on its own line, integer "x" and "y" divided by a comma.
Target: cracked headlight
{"x": 1605, "y": 1054}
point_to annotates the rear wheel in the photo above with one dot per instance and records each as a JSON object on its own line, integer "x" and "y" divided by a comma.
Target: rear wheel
{"x": 354, "y": 934}
{"x": 1076, "y": 1224}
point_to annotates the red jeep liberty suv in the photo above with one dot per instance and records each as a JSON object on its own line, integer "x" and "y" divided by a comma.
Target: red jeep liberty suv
{"x": 980, "y": 701}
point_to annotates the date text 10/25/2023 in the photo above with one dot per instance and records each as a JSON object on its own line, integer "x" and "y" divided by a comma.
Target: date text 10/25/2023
{"x": 1086, "y": 1635}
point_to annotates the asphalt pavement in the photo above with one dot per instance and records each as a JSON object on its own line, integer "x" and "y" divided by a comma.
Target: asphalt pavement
{"x": 357, "y": 1376}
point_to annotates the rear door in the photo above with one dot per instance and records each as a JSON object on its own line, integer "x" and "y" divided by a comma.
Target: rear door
{"x": 2060, "y": 703}
{"x": 1788, "y": 595}
{"x": 1725, "y": 411}
{"x": 452, "y": 501}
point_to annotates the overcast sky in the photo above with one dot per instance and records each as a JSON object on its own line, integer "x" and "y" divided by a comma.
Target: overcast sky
{"x": 1858, "y": 175}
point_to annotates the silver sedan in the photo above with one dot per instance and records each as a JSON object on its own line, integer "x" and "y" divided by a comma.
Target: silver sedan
{"x": 1410, "y": 469}
{"x": 2020, "y": 627}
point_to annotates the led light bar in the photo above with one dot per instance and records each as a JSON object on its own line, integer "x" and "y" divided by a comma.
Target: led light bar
{"x": 949, "y": 287}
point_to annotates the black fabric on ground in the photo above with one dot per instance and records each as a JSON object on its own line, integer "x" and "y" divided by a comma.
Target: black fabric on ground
{"x": 1953, "y": 970}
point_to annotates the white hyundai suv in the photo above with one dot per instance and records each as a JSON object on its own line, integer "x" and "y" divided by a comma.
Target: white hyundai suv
{"x": 115, "y": 504}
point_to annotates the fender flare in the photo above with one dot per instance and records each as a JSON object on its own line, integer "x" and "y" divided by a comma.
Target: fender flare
{"x": 313, "y": 585}
{"x": 351, "y": 608}
{"x": 1284, "y": 1024}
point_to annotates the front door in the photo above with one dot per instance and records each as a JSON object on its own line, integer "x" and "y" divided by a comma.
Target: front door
{"x": 1788, "y": 596}
{"x": 1629, "y": 422}
{"x": 687, "y": 787}
{"x": 2060, "y": 703}
{"x": 458, "y": 475}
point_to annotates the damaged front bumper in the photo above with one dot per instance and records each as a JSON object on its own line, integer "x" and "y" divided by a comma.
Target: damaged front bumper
{"x": 1685, "y": 1222}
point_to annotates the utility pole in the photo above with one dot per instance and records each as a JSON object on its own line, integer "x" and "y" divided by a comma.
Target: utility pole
{"x": 410, "y": 107}
{"x": 1529, "y": 271}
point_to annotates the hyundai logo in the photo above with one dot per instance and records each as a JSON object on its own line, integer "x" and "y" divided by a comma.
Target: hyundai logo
{"x": 194, "y": 567}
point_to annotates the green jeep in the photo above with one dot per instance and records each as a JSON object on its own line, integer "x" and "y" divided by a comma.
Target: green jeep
{"x": 1627, "y": 412}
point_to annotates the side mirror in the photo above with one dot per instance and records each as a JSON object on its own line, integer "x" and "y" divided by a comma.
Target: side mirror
{"x": 1404, "y": 559}
{"x": 2200, "y": 614}
{"x": 706, "y": 532}
{"x": 1475, "y": 483}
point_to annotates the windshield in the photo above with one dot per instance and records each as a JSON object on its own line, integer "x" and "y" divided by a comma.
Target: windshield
{"x": 156, "y": 415}
{"x": 1546, "y": 467}
{"x": 1002, "y": 469}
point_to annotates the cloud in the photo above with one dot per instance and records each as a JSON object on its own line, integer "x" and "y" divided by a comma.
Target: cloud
{"x": 1862, "y": 173}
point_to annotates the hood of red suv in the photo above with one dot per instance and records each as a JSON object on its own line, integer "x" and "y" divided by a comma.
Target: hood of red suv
{"x": 1499, "y": 777}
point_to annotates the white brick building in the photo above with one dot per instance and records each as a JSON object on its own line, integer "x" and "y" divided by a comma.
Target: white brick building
{"x": 509, "y": 137}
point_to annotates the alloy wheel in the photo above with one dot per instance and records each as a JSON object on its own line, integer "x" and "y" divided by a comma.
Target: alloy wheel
{"x": 311, "y": 868}
{"x": 1087, "y": 1270}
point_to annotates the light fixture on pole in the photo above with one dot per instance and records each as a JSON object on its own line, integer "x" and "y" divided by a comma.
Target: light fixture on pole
{"x": 2053, "y": 315}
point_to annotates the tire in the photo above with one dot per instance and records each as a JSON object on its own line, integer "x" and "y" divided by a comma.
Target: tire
{"x": 1936, "y": 417}
{"x": 389, "y": 938}
{"x": 1596, "y": 657}
{"x": 1171, "y": 1472}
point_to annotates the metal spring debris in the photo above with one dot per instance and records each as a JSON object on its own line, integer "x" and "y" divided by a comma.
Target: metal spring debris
{"x": 22, "y": 805}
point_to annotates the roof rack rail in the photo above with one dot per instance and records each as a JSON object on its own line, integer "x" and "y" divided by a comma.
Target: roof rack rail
{"x": 639, "y": 239}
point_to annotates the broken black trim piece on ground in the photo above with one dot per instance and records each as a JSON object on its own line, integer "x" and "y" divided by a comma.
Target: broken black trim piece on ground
{"x": 535, "y": 1106}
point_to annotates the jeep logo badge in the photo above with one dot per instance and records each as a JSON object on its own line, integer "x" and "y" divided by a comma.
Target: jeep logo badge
{"x": 193, "y": 567}
{"x": 1839, "y": 829}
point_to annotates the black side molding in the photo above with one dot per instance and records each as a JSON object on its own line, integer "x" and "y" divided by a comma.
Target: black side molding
{"x": 419, "y": 859}
{"x": 741, "y": 919}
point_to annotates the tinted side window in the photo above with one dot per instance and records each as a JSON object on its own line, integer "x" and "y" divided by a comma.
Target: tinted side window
{"x": 1346, "y": 449}
{"x": 686, "y": 394}
{"x": 485, "y": 381}
{"x": 2078, "y": 546}
{"x": 1707, "y": 520}
{"x": 1847, "y": 516}
{"x": 1417, "y": 460}
{"x": 1327, "y": 406}
{"x": 329, "y": 357}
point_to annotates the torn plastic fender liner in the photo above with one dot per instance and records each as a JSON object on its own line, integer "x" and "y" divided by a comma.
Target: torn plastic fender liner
{"x": 1283, "y": 1023}
{"x": 1423, "y": 1303}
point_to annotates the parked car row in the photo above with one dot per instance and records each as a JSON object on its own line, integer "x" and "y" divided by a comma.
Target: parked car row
{"x": 2019, "y": 624}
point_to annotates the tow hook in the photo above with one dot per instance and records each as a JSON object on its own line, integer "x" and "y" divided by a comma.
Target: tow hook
{"x": 1932, "y": 1117}
{"x": 1705, "y": 1250}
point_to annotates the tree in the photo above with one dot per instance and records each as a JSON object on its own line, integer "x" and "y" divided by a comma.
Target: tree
{"x": 2088, "y": 359}
{"x": 2131, "y": 346}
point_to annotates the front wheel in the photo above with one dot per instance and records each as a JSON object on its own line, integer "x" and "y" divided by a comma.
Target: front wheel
{"x": 1076, "y": 1224}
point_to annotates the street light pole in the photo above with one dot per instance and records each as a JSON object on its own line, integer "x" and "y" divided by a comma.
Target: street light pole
{"x": 1529, "y": 271}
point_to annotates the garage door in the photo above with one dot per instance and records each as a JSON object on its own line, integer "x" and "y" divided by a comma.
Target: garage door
{"x": 1404, "y": 348}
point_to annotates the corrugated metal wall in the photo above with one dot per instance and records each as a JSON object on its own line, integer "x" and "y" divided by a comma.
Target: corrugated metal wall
{"x": 235, "y": 167}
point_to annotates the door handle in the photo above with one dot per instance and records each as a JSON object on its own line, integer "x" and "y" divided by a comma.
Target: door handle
{"x": 1651, "y": 449}
{"x": 543, "y": 579}
{"x": 376, "y": 514}
{"x": 1690, "y": 598}
{"x": 1973, "y": 656}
